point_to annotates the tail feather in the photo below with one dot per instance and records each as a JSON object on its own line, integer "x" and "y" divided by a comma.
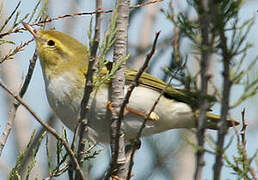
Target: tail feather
{"x": 213, "y": 120}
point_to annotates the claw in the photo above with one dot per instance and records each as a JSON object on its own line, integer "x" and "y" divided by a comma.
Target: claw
{"x": 153, "y": 116}
{"x": 110, "y": 108}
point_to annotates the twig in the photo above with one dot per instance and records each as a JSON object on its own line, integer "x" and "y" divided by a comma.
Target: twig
{"x": 243, "y": 140}
{"x": 83, "y": 122}
{"x": 58, "y": 172}
{"x": 227, "y": 83}
{"x": 14, "y": 51}
{"x": 73, "y": 15}
{"x": 242, "y": 132}
{"x": 15, "y": 105}
{"x": 138, "y": 76}
{"x": 243, "y": 146}
{"x": 204, "y": 104}
{"x": 11, "y": 15}
{"x": 48, "y": 128}
{"x": 29, "y": 74}
{"x": 29, "y": 152}
{"x": 129, "y": 92}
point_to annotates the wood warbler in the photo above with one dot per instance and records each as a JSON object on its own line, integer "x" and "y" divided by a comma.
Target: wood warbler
{"x": 64, "y": 62}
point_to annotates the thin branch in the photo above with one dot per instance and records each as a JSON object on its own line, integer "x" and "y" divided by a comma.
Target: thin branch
{"x": 138, "y": 75}
{"x": 29, "y": 152}
{"x": 15, "y": 105}
{"x": 75, "y": 14}
{"x": 48, "y": 128}
{"x": 204, "y": 104}
{"x": 58, "y": 172}
{"x": 14, "y": 51}
{"x": 11, "y": 15}
{"x": 227, "y": 83}
{"x": 243, "y": 146}
{"x": 83, "y": 122}
{"x": 29, "y": 74}
{"x": 130, "y": 89}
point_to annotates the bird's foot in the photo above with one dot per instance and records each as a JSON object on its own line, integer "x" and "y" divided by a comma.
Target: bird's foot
{"x": 110, "y": 108}
{"x": 153, "y": 116}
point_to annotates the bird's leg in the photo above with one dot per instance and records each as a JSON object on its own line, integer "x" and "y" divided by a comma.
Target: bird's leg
{"x": 153, "y": 116}
{"x": 110, "y": 108}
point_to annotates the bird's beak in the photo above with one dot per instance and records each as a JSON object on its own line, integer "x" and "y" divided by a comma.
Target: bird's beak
{"x": 31, "y": 30}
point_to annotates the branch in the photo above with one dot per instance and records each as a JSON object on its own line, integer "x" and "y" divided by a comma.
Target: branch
{"x": 130, "y": 89}
{"x": 227, "y": 83}
{"x": 14, "y": 51}
{"x": 83, "y": 122}
{"x": 204, "y": 18}
{"x": 118, "y": 164}
{"x": 73, "y": 15}
{"x": 15, "y": 105}
{"x": 138, "y": 76}
{"x": 48, "y": 128}
{"x": 243, "y": 146}
{"x": 29, "y": 153}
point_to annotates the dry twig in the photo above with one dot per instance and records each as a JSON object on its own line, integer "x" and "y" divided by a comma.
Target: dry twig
{"x": 204, "y": 18}
{"x": 243, "y": 145}
{"x": 47, "y": 127}
{"x": 82, "y": 121}
{"x": 14, "y": 51}
{"x": 130, "y": 89}
{"x": 16, "y": 30}
{"x": 15, "y": 105}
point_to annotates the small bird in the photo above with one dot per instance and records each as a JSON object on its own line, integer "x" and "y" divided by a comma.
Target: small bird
{"x": 64, "y": 62}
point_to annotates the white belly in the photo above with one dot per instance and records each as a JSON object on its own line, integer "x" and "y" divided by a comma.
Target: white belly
{"x": 66, "y": 105}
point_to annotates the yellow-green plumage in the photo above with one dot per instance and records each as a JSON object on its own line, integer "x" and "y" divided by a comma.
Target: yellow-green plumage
{"x": 57, "y": 58}
{"x": 79, "y": 55}
{"x": 64, "y": 63}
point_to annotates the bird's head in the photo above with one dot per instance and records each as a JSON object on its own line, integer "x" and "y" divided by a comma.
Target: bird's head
{"x": 58, "y": 51}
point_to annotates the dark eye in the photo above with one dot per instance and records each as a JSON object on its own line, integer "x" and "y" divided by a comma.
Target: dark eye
{"x": 50, "y": 43}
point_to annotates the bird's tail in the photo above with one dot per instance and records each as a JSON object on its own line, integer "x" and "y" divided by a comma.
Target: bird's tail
{"x": 213, "y": 119}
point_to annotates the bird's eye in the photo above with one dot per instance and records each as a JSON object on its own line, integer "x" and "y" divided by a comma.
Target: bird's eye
{"x": 51, "y": 43}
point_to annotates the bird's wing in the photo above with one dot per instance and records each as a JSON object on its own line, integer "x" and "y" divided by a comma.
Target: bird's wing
{"x": 181, "y": 95}
{"x": 191, "y": 98}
